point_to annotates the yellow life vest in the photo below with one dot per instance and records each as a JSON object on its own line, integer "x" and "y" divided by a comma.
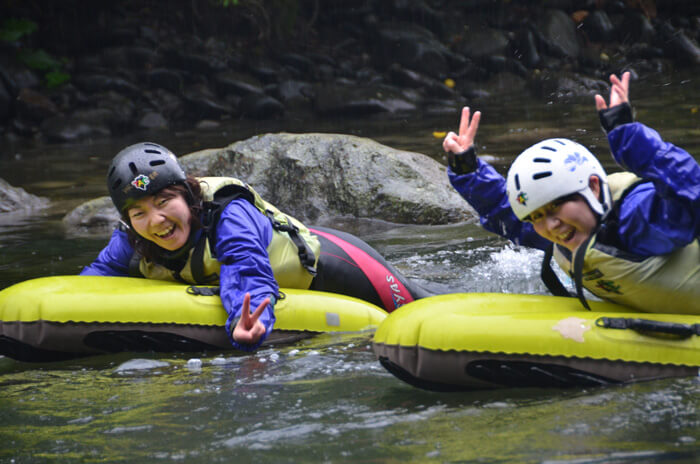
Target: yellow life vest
{"x": 658, "y": 284}
{"x": 293, "y": 250}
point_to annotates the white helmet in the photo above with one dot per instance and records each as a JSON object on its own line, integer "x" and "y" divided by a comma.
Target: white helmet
{"x": 552, "y": 169}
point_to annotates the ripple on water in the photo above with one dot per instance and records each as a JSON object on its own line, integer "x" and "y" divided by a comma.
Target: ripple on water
{"x": 140, "y": 365}
{"x": 132, "y": 429}
{"x": 303, "y": 365}
{"x": 303, "y": 424}
{"x": 500, "y": 269}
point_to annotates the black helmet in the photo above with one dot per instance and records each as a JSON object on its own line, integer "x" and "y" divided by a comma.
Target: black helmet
{"x": 141, "y": 170}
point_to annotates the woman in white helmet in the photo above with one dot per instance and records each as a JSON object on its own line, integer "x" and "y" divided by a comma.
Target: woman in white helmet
{"x": 631, "y": 237}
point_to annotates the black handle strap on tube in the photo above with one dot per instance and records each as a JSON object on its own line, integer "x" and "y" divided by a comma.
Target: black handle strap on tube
{"x": 203, "y": 291}
{"x": 647, "y": 326}
{"x": 216, "y": 291}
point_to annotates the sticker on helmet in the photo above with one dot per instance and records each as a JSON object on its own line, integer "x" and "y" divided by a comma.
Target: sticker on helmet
{"x": 522, "y": 198}
{"x": 575, "y": 160}
{"x": 141, "y": 182}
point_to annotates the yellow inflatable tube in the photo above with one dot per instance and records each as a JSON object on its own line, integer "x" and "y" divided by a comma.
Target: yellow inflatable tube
{"x": 62, "y": 317}
{"x": 473, "y": 341}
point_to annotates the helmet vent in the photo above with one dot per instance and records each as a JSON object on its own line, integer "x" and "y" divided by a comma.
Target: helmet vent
{"x": 116, "y": 184}
{"x": 542, "y": 160}
{"x": 541, "y": 175}
{"x": 111, "y": 171}
{"x": 157, "y": 162}
{"x": 549, "y": 148}
{"x": 151, "y": 150}
{"x": 517, "y": 182}
{"x": 134, "y": 169}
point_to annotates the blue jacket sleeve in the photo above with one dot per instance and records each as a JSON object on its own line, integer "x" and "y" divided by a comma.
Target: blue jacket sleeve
{"x": 485, "y": 190}
{"x": 664, "y": 214}
{"x": 242, "y": 237}
{"x": 114, "y": 259}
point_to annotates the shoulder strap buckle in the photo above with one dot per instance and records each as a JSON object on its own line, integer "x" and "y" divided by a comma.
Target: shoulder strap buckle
{"x": 306, "y": 256}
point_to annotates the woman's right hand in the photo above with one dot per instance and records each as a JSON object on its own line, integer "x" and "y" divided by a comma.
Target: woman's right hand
{"x": 467, "y": 131}
{"x": 249, "y": 329}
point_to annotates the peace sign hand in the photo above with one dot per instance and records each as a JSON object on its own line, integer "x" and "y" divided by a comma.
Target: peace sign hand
{"x": 467, "y": 131}
{"x": 249, "y": 329}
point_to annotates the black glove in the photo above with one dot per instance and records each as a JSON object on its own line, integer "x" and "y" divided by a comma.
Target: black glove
{"x": 464, "y": 162}
{"x": 618, "y": 115}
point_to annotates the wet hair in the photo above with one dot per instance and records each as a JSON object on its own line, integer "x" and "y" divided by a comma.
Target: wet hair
{"x": 191, "y": 191}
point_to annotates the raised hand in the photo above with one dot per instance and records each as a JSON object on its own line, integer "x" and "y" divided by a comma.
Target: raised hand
{"x": 467, "y": 131}
{"x": 619, "y": 92}
{"x": 249, "y": 329}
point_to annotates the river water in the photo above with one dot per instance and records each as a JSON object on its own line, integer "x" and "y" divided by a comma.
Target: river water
{"x": 326, "y": 399}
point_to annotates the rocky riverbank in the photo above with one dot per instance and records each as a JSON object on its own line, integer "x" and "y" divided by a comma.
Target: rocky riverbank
{"x": 120, "y": 67}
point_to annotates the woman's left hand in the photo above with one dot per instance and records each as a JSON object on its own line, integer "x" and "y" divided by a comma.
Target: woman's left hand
{"x": 454, "y": 143}
{"x": 249, "y": 329}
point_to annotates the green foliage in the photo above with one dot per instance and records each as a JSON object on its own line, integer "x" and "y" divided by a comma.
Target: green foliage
{"x": 227, "y": 3}
{"x": 38, "y": 59}
{"x": 14, "y": 29}
{"x": 56, "y": 78}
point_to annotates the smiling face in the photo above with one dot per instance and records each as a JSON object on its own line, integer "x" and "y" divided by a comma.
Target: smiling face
{"x": 567, "y": 221}
{"x": 163, "y": 218}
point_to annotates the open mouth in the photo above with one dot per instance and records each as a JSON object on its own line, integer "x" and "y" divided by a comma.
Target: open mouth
{"x": 563, "y": 238}
{"x": 167, "y": 233}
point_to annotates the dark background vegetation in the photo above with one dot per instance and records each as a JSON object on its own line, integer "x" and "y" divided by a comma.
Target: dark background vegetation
{"x": 73, "y": 69}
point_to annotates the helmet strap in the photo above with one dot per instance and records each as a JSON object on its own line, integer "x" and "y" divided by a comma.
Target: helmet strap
{"x": 124, "y": 225}
{"x": 600, "y": 205}
{"x": 606, "y": 201}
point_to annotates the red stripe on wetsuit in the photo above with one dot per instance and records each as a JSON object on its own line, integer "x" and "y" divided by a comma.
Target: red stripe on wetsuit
{"x": 389, "y": 288}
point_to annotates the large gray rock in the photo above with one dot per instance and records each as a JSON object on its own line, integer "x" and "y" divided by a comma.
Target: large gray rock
{"x": 318, "y": 177}
{"x": 97, "y": 216}
{"x": 16, "y": 199}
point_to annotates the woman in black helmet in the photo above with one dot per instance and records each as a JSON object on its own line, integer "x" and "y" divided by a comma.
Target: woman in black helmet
{"x": 219, "y": 230}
